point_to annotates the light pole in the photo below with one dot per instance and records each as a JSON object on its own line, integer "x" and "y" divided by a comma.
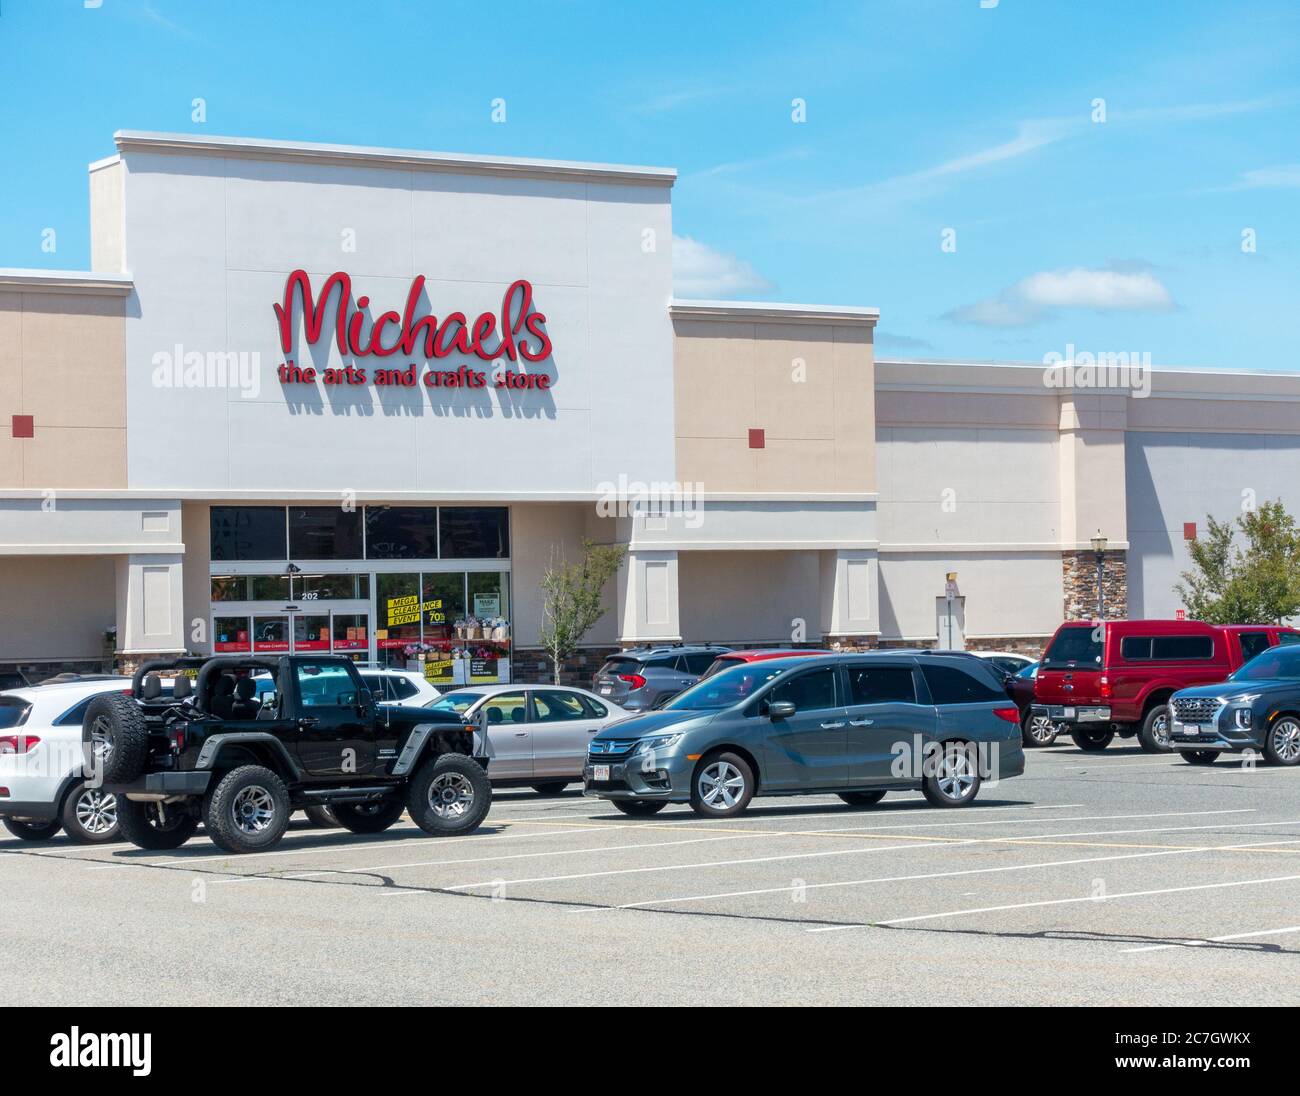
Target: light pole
{"x": 1099, "y": 553}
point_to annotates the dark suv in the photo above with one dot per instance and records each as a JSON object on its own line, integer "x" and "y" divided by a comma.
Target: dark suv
{"x": 641, "y": 677}
{"x": 213, "y": 752}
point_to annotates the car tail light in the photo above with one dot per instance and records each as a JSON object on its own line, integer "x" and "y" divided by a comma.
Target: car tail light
{"x": 1011, "y": 715}
{"x": 1103, "y": 685}
{"x": 17, "y": 743}
{"x": 4, "y": 793}
{"x": 635, "y": 680}
{"x": 178, "y": 739}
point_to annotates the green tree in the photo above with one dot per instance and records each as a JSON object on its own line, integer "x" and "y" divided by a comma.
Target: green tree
{"x": 572, "y": 600}
{"x": 1257, "y": 582}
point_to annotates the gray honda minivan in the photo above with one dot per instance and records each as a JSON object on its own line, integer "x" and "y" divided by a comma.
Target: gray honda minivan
{"x": 857, "y": 726}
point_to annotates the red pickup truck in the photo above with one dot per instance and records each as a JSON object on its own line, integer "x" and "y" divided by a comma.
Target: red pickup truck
{"x": 1099, "y": 680}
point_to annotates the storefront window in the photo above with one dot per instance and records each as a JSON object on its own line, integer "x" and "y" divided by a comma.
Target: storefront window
{"x": 324, "y": 532}
{"x": 311, "y": 633}
{"x": 401, "y": 532}
{"x": 230, "y": 588}
{"x": 474, "y": 532}
{"x": 487, "y": 627}
{"x": 270, "y": 633}
{"x": 398, "y": 622}
{"x": 350, "y": 632}
{"x": 330, "y": 587}
{"x": 247, "y": 532}
{"x": 443, "y": 603}
{"x": 268, "y": 587}
{"x": 230, "y": 634}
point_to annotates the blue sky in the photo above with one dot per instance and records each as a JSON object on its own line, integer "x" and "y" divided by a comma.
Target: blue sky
{"x": 921, "y": 116}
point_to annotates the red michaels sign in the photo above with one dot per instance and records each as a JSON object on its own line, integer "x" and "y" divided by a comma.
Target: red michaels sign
{"x": 517, "y": 332}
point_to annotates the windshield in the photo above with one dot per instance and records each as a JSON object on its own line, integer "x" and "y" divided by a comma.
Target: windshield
{"x": 718, "y": 665}
{"x": 1275, "y": 663}
{"x": 1075, "y": 646}
{"x": 458, "y": 702}
{"x": 725, "y": 689}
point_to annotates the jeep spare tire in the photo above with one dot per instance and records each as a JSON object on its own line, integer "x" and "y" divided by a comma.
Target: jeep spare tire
{"x": 115, "y": 731}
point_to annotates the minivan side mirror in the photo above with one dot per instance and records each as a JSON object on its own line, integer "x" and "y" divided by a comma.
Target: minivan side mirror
{"x": 780, "y": 709}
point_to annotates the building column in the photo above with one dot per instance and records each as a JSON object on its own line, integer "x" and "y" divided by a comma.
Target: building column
{"x": 647, "y": 598}
{"x": 1079, "y": 582}
{"x": 848, "y": 596}
{"x": 150, "y": 617}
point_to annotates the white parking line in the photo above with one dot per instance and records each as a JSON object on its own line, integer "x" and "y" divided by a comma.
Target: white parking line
{"x": 1087, "y": 898}
{"x": 953, "y": 874}
{"x": 241, "y": 857}
{"x": 1214, "y": 940}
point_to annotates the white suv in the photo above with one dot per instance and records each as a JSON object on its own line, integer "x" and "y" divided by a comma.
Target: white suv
{"x": 42, "y": 761}
{"x": 400, "y": 687}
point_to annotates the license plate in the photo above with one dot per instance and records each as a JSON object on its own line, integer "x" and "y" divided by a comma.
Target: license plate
{"x": 605, "y": 690}
{"x": 1193, "y": 729}
{"x": 1067, "y": 713}
{"x": 600, "y": 772}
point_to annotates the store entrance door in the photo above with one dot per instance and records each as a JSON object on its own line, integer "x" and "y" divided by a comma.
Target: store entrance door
{"x": 266, "y": 628}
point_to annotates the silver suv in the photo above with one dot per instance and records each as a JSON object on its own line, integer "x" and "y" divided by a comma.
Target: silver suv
{"x": 641, "y": 677}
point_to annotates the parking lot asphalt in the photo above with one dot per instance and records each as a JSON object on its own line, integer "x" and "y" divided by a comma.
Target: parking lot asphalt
{"x": 1118, "y": 878}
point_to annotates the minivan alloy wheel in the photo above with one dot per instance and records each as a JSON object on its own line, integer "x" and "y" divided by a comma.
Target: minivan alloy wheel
{"x": 721, "y": 785}
{"x": 955, "y": 774}
{"x": 96, "y": 811}
{"x": 1041, "y": 729}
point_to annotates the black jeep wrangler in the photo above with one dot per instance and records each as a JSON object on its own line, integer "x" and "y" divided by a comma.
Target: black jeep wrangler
{"x": 215, "y": 753}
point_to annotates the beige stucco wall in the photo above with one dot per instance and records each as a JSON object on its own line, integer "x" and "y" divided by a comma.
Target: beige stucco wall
{"x": 748, "y": 597}
{"x": 809, "y": 386}
{"x": 63, "y": 361}
{"x": 56, "y": 607}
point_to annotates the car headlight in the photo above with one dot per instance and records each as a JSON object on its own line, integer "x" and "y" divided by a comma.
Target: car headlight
{"x": 656, "y": 742}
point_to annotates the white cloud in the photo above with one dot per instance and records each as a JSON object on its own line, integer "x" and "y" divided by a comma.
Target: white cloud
{"x": 1286, "y": 175}
{"x": 700, "y": 271}
{"x": 1114, "y": 288}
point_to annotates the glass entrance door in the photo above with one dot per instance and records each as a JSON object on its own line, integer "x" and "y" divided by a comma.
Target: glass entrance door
{"x": 261, "y": 629}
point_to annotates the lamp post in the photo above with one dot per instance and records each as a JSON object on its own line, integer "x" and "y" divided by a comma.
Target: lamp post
{"x": 1099, "y": 553}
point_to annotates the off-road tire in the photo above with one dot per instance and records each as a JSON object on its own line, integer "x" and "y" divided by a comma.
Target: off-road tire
{"x": 861, "y": 799}
{"x": 32, "y": 831}
{"x": 135, "y": 822}
{"x": 1149, "y": 736}
{"x": 321, "y": 816}
{"x": 248, "y": 810}
{"x": 552, "y": 787}
{"x": 368, "y": 817}
{"x": 724, "y": 778}
{"x": 83, "y": 821}
{"x": 449, "y": 795}
{"x": 1200, "y": 757}
{"x": 116, "y": 721}
{"x": 639, "y": 808}
{"x": 1093, "y": 740}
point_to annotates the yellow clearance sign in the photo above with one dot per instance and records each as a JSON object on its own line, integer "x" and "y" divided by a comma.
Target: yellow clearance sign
{"x": 403, "y": 610}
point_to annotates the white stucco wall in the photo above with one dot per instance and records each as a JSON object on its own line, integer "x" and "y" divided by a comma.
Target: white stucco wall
{"x": 212, "y": 240}
{"x": 748, "y": 597}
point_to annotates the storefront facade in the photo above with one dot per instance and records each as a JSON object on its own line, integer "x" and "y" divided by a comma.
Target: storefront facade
{"x": 324, "y": 398}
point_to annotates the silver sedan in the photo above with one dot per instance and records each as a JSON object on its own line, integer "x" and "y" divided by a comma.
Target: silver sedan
{"x": 537, "y": 735}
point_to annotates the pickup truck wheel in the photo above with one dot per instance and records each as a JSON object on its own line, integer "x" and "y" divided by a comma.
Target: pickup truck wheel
{"x": 1092, "y": 739}
{"x": 862, "y": 799}
{"x": 368, "y": 817}
{"x": 90, "y": 815}
{"x": 1200, "y": 757}
{"x": 449, "y": 795}
{"x": 1037, "y": 730}
{"x": 114, "y": 728}
{"x": 1282, "y": 744}
{"x": 153, "y": 826}
{"x": 1154, "y": 735}
{"x": 955, "y": 781}
{"x": 32, "y": 831}
{"x": 248, "y": 810}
